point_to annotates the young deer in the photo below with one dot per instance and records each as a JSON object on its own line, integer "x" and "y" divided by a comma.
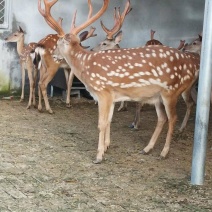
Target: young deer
{"x": 50, "y": 64}
{"x": 25, "y": 63}
{"x": 113, "y": 38}
{"x": 152, "y": 74}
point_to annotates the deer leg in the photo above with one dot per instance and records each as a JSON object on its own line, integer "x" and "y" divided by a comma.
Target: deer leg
{"x": 23, "y": 81}
{"x": 107, "y": 133}
{"x": 189, "y": 103}
{"x": 43, "y": 86}
{"x": 106, "y": 108}
{"x": 34, "y": 85}
{"x": 162, "y": 118}
{"x": 194, "y": 93}
{"x": 40, "y": 98}
{"x": 136, "y": 121}
{"x": 170, "y": 107}
{"x": 69, "y": 85}
{"x": 123, "y": 106}
{"x": 31, "y": 83}
{"x": 42, "y": 71}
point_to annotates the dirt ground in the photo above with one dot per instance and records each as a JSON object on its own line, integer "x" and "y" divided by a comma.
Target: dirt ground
{"x": 46, "y": 162}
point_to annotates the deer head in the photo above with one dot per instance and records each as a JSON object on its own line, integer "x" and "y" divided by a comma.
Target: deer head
{"x": 16, "y": 36}
{"x": 114, "y": 35}
{"x": 194, "y": 46}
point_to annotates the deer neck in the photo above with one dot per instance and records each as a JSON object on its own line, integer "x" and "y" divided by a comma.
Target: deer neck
{"x": 20, "y": 45}
{"x": 76, "y": 57}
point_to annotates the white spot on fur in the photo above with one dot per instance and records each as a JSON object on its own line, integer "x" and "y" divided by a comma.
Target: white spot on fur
{"x": 171, "y": 58}
{"x": 154, "y": 73}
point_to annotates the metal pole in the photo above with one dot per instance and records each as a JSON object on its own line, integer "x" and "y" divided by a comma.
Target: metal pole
{"x": 203, "y": 100}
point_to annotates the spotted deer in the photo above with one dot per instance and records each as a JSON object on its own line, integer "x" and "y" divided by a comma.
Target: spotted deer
{"x": 25, "y": 63}
{"x": 50, "y": 64}
{"x": 151, "y": 74}
{"x": 136, "y": 122}
{"x": 114, "y": 37}
{"x": 195, "y": 47}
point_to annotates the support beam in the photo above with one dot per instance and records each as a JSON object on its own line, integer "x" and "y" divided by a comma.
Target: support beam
{"x": 203, "y": 100}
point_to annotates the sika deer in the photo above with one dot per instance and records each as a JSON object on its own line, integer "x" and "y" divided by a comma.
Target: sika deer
{"x": 152, "y": 74}
{"x": 25, "y": 63}
{"x": 136, "y": 122}
{"x": 195, "y": 47}
{"x": 113, "y": 38}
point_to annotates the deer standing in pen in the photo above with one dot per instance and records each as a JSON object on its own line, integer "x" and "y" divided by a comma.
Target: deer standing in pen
{"x": 113, "y": 38}
{"x": 50, "y": 64}
{"x": 25, "y": 63}
{"x": 195, "y": 47}
{"x": 151, "y": 74}
{"x": 136, "y": 122}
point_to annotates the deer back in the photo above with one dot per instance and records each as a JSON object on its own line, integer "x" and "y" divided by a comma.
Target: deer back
{"x": 120, "y": 70}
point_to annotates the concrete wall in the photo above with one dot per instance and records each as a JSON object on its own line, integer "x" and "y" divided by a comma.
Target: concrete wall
{"x": 172, "y": 20}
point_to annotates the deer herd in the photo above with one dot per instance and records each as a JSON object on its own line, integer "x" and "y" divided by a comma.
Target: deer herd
{"x": 152, "y": 74}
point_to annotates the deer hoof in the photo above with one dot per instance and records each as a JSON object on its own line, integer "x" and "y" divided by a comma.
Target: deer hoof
{"x": 131, "y": 126}
{"x": 28, "y": 106}
{"x": 21, "y": 100}
{"x": 144, "y": 153}
{"x": 50, "y": 111}
{"x": 68, "y": 105}
{"x": 161, "y": 158}
{"x": 97, "y": 161}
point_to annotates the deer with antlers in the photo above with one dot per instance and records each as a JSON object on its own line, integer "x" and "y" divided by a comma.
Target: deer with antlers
{"x": 152, "y": 74}
{"x": 25, "y": 63}
{"x": 50, "y": 64}
{"x": 114, "y": 37}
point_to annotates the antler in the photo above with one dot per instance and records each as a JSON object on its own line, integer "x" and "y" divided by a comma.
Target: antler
{"x": 75, "y": 30}
{"x": 48, "y": 17}
{"x": 152, "y": 34}
{"x": 118, "y": 21}
{"x": 182, "y": 43}
{"x": 59, "y": 21}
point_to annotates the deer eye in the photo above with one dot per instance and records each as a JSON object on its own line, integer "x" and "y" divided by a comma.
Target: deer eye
{"x": 104, "y": 44}
{"x": 194, "y": 43}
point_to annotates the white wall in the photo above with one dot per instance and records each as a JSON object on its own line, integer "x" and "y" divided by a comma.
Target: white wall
{"x": 172, "y": 20}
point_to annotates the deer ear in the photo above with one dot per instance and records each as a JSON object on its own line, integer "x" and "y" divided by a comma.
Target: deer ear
{"x": 20, "y": 29}
{"x": 118, "y": 37}
{"x": 83, "y": 36}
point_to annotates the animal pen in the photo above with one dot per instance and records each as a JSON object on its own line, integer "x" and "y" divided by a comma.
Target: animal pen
{"x": 47, "y": 159}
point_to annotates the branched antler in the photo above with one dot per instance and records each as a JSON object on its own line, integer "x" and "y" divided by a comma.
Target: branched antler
{"x": 75, "y": 30}
{"x": 48, "y": 17}
{"x": 118, "y": 21}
